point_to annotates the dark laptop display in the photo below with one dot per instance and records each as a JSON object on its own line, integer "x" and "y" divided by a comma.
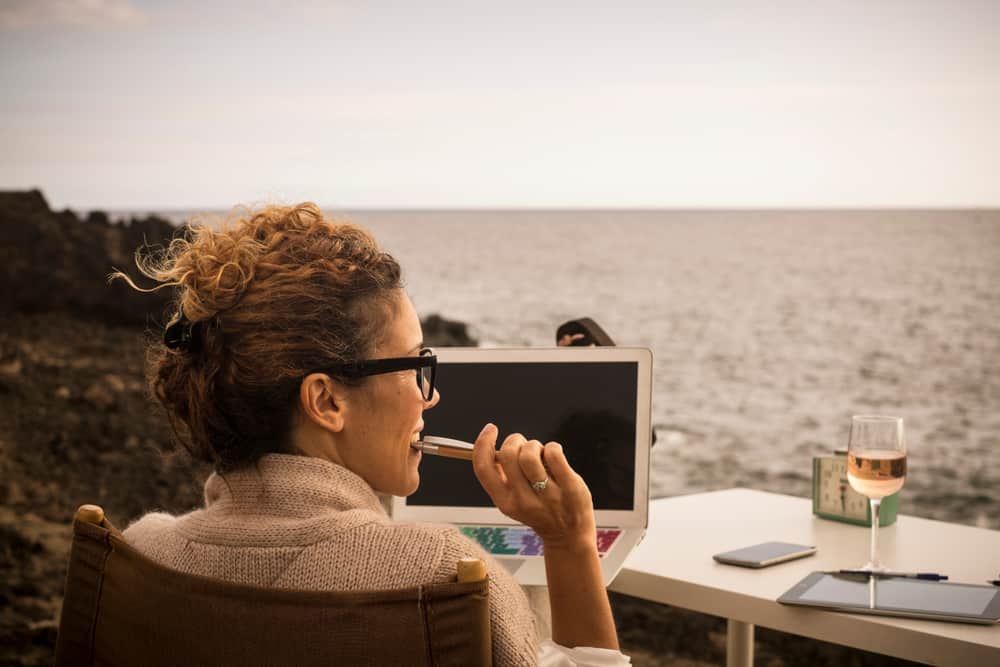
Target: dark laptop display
{"x": 590, "y": 408}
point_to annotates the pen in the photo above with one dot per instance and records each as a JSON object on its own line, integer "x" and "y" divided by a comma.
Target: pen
{"x": 925, "y": 576}
{"x": 454, "y": 449}
{"x": 449, "y": 447}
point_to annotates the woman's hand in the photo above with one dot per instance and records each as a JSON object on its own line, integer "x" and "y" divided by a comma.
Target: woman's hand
{"x": 567, "y": 340}
{"x": 562, "y": 514}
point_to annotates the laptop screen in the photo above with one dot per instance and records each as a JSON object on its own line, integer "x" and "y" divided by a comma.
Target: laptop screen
{"x": 588, "y": 407}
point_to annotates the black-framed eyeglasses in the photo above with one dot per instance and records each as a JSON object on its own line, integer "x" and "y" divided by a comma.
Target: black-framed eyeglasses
{"x": 425, "y": 364}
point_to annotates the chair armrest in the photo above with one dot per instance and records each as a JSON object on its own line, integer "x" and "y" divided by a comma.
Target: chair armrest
{"x": 90, "y": 514}
{"x": 471, "y": 569}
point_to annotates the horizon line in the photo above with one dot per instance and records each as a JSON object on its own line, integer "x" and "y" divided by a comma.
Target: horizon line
{"x": 484, "y": 207}
{"x": 556, "y": 209}
{"x": 639, "y": 208}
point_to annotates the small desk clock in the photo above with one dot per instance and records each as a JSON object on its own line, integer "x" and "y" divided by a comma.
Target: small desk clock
{"x": 833, "y": 497}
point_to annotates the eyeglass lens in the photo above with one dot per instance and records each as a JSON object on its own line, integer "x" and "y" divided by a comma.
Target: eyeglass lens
{"x": 424, "y": 381}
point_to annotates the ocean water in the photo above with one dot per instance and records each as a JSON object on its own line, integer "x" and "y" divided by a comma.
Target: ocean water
{"x": 768, "y": 329}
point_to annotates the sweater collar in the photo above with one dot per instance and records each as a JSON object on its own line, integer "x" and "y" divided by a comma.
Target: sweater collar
{"x": 288, "y": 485}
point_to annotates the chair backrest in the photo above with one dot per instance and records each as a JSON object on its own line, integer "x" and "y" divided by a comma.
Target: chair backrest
{"x": 120, "y": 608}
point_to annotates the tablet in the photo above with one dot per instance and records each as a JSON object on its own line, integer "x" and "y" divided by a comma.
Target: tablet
{"x": 897, "y": 596}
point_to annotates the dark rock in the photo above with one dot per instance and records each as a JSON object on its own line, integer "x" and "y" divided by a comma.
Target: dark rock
{"x": 439, "y": 332}
{"x": 16, "y": 546}
{"x": 99, "y": 218}
{"x": 54, "y": 262}
{"x": 98, "y": 396}
{"x": 26, "y": 203}
{"x": 11, "y": 368}
{"x": 114, "y": 382}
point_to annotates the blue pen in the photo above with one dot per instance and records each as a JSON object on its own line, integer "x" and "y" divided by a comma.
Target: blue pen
{"x": 925, "y": 576}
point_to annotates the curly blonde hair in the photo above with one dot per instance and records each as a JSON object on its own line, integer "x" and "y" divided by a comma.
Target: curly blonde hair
{"x": 277, "y": 293}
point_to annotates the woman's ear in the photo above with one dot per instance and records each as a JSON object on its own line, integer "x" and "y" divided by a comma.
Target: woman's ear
{"x": 323, "y": 401}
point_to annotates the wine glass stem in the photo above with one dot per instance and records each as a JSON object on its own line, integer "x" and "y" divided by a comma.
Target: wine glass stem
{"x": 875, "y": 503}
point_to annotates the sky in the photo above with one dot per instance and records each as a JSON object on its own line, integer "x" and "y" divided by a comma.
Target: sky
{"x": 131, "y": 104}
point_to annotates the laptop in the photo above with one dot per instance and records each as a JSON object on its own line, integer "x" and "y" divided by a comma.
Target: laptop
{"x": 595, "y": 401}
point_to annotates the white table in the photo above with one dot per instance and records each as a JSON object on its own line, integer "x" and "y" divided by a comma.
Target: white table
{"x": 674, "y": 566}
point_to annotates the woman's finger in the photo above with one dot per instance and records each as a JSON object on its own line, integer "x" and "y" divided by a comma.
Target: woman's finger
{"x": 507, "y": 458}
{"x": 484, "y": 464}
{"x": 557, "y": 465}
{"x": 530, "y": 461}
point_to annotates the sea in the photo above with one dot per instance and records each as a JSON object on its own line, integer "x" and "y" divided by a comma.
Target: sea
{"x": 769, "y": 329}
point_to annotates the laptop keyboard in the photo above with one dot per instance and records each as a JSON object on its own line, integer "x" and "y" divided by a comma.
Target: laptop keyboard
{"x": 523, "y": 541}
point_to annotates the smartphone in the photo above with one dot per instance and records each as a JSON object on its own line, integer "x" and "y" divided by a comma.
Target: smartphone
{"x": 765, "y": 554}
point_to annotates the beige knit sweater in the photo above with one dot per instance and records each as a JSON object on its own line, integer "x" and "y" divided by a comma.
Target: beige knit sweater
{"x": 305, "y": 523}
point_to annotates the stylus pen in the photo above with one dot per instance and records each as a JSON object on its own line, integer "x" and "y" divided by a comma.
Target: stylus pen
{"x": 454, "y": 449}
{"x": 926, "y": 576}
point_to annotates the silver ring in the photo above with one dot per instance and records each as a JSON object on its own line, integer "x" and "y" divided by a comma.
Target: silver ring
{"x": 540, "y": 486}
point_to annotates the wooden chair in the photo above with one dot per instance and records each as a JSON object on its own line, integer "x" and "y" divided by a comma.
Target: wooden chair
{"x": 120, "y": 608}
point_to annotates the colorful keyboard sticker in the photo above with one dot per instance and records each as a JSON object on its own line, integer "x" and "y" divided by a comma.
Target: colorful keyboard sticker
{"x": 523, "y": 541}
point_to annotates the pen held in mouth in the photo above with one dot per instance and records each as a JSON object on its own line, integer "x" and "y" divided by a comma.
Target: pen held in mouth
{"x": 448, "y": 447}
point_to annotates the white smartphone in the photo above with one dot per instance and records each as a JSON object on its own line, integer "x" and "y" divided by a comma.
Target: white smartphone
{"x": 765, "y": 554}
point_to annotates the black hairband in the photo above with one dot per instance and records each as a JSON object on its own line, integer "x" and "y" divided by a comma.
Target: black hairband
{"x": 182, "y": 334}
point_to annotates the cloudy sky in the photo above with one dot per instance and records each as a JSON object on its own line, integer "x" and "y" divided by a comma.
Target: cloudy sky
{"x": 155, "y": 104}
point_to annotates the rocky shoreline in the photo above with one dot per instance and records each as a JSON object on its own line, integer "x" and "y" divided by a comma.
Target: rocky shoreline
{"x": 77, "y": 426}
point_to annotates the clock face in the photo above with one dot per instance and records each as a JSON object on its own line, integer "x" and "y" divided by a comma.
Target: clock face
{"x": 835, "y": 494}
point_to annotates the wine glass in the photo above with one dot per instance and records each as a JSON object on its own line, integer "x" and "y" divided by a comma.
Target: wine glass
{"x": 876, "y": 466}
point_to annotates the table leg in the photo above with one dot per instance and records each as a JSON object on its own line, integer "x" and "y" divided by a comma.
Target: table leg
{"x": 739, "y": 643}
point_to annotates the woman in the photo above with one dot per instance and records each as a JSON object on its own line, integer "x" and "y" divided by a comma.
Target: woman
{"x": 262, "y": 374}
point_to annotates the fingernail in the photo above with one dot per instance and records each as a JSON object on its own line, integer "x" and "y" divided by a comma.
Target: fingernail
{"x": 487, "y": 428}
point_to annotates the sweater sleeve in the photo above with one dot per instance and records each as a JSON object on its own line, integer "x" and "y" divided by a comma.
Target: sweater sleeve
{"x": 512, "y": 623}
